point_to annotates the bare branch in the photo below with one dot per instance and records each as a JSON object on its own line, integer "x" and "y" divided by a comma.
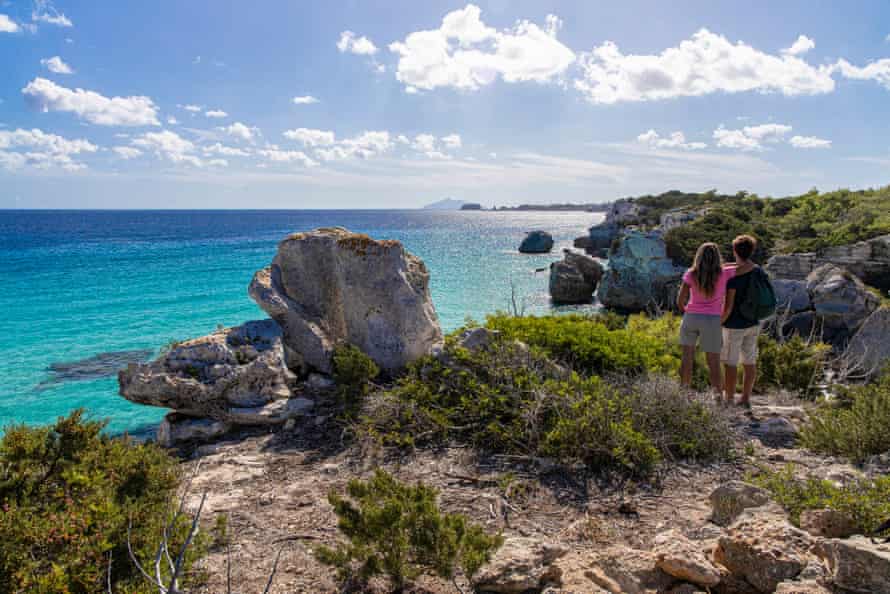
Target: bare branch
{"x": 108, "y": 577}
{"x": 161, "y": 588}
{"x": 188, "y": 541}
{"x": 274, "y": 570}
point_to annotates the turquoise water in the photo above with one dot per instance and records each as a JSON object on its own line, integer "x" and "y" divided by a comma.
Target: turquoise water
{"x": 77, "y": 284}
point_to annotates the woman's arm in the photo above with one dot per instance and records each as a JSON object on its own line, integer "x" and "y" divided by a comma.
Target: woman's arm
{"x": 728, "y": 302}
{"x": 683, "y": 297}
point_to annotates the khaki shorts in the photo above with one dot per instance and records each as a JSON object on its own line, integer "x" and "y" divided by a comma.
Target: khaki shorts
{"x": 702, "y": 327}
{"x": 740, "y": 346}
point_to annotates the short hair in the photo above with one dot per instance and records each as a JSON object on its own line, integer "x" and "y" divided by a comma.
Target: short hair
{"x": 744, "y": 246}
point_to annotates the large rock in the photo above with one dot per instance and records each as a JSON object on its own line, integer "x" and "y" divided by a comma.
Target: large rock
{"x": 869, "y": 260}
{"x": 520, "y": 565}
{"x": 640, "y": 275}
{"x": 869, "y": 350}
{"x": 858, "y": 564}
{"x": 601, "y": 237}
{"x": 330, "y": 286}
{"x": 829, "y": 523}
{"x": 235, "y": 375}
{"x": 178, "y": 429}
{"x": 729, "y": 500}
{"x": 764, "y": 548}
{"x": 625, "y": 211}
{"x": 615, "y": 570}
{"x": 574, "y": 279}
{"x": 840, "y": 300}
{"x": 678, "y": 556}
{"x": 536, "y": 242}
{"x": 791, "y": 296}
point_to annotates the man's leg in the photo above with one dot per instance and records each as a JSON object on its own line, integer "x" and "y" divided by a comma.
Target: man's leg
{"x": 749, "y": 361}
{"x": 730, "y": 381}
{"x": 686, "y": 365}
{"x": 750, "y": 376}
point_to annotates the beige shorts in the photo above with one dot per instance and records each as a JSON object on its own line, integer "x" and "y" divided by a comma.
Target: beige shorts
{"x": 704, "y": 328}
{"x": 740, "y": 346}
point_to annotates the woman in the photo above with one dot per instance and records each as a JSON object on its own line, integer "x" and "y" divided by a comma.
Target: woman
{"x": 701, "y": 300}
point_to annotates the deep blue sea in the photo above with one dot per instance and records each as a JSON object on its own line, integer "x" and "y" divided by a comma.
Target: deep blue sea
{"x": 78, "y": 285}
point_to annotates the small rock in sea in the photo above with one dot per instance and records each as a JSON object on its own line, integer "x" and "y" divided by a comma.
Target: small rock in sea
{"x": 536, "y": 242}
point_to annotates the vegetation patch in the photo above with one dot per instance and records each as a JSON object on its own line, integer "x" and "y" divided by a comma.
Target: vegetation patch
{"x": 795, "y": 364}
{"x": 397, "y": 530}
{"x": 68, "y": 495}
{"x": 865, "y": 501}
{"x": 854, "y": 424}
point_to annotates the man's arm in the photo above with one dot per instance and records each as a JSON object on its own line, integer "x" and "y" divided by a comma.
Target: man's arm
{"x": 683, "y": 298}
{"x": 727, "y": 305}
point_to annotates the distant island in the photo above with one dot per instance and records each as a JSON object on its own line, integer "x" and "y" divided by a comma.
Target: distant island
{"x": 445, "y": 204}
{"x": 599, "y": 207}
{"x": 471, "y": 206}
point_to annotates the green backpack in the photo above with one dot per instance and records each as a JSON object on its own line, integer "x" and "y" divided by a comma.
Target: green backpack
{"x": 760, "y": 301}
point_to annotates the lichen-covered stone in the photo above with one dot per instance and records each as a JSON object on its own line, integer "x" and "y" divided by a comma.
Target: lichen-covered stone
{"x": 330, "y": 286}
{"x": 640, "y": 275}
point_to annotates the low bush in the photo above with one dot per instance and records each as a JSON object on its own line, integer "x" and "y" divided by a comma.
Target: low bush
{"x": 795, "y": 364}
{"x": 865, "y": 501}
{"x": 854, "y": 424}
{"x": 68, "y": 494}
{"x": 397, "y": 530}
{"x": 353, "y": 373}
{"x": 720, "y": 226}
{"x": 507, "y": 398}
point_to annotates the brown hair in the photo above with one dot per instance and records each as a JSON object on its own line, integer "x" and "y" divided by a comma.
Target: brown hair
{"x": 744, "y": 246}
{"x": 707, "y": 267}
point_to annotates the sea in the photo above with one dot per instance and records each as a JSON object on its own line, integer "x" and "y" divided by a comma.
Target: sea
{"x": 85, "y": 292}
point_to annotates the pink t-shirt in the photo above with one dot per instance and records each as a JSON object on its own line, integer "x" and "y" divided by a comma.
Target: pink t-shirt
{"x": 707, "y": 305}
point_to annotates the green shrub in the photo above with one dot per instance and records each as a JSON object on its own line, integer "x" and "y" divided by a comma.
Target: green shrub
{"x": 353, "y": 372}
{"x": 68, "y": 494}
{"x": 795, "y": 364}
{"x": 865, "y": 501}
{"x": 507, "y": 398}
{"x": 721, "y": 226}
{"x": 854, "y": 424}
{"x": 397, "y": 530}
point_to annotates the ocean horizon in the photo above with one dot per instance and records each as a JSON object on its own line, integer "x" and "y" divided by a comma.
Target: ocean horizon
{"x": 88, "y": 290}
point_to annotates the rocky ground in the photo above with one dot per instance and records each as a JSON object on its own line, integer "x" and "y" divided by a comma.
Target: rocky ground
{"x": 272, "y": 487}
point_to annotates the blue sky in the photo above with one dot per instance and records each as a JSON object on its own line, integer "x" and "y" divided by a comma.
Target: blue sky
{"x": 217, "y": 104}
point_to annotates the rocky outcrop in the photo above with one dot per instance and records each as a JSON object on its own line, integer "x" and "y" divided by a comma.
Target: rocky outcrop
{"x": 640, "y": 274}
{"x": 791, "y": 296}
{"x": 574, "y": 279}
{"x": 520, "y": 565}
{"x": 840, "y": 300}
{"x": 536, "y": 242}
{"x": 676, "y": 555}
{"x": 614, "y": 570}
{"x": 829, "y": 523}
{"x": 858, "y": 564}
{"x": 625, "y": 211}
{"x": 234, "y": 376}
{"x": 869, "y": 350}
{"x": 330, "y": 286}
{"x": 600, "y": 239}
{"x": 869, "y": 260}
{"x": 730, "y": 500}
{"x": 677, "y": 218}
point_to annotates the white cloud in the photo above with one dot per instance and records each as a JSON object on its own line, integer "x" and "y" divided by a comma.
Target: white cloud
{"x": 304, "y": 100}
{"x": 191, "y": 108}
{"x": 706, "y": 63}
{"x": 241, "y": 131}
{"x": 126, "y": 152}
{"x": 218, "y": 163}
{"x": 56, "y": 65}
{"x": 878, "y": 71}
{"x": 751, "y": 138}
{"x": 221, "y": 149}
{"x": 42, "y": 150}
{"x": 216, "y": 113}
{"x": 402, "y": 139}
{"x": 7, "y": 25}
{"x": 172, "y": 120}
{"x": 355, "y": 45}
{"x": 464, "y": 53}
{"x": 424, "y": 143}
{"x": 809, "y": 142}
{"x": 311, "y": 137}
{"x": 169, "y": 145}
{"x": 366, "y": 145}
{"x": 800, "y": 47}
{"x": 452, "y": 141}
{"x": 677, "y": 140}
{"x": 280, "y": 156}
{"x": 91, "y": 106}
{"x": 45, "y": 12}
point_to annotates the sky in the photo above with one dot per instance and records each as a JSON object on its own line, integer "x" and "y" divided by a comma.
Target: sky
{"x": 356, "y": 104}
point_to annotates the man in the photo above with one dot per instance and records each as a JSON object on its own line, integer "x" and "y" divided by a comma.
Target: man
{"x": 740, "y": 333}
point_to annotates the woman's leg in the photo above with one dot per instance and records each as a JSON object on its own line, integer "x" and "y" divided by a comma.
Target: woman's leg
{"x": 730, "y": 381}
{"x": 715, "y": 372}
{"x": 686, "y": 365}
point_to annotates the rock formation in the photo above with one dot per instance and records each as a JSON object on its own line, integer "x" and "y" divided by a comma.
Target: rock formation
{"x": 574, "y": 279}
{"x": 869, "y": 260}
{"x": 869, "y": 350}
{"x": 536, "y": 242}
{"x": 840, "y": 301}
{"x": 331, "y": 286}
{"x": 640, "y": 274}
